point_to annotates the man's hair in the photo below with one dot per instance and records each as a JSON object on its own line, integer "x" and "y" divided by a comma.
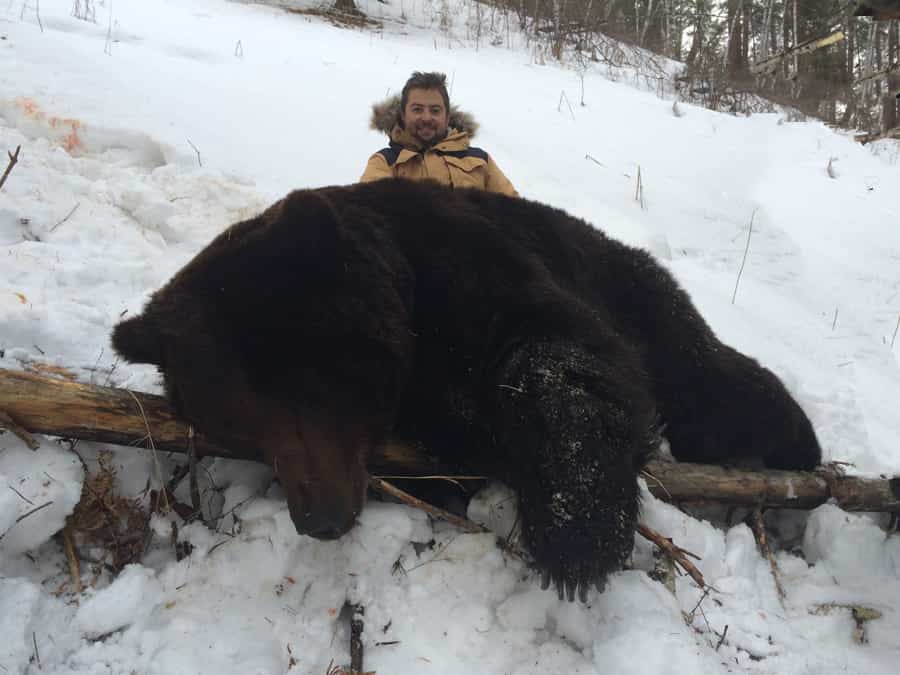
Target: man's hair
{"x": 434, "y": 81}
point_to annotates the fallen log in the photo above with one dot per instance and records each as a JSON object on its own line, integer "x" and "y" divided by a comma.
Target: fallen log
{"x": 770, "y": 65}
{"x": 57, "y": 407}
{"x": 60, "y": 407}
{"x": 877, "y": 136}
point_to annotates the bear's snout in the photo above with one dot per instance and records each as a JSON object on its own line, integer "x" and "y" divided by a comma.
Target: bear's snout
{"x": 328, "y": 516}
{"x": 324, "y": 481}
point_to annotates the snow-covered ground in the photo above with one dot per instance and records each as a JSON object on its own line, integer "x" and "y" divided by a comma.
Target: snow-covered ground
{"x": 109, "y": 199}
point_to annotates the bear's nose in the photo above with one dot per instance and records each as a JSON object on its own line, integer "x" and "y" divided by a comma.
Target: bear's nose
{"x": 325, "y": 524}
{"x": 322, "y": 517}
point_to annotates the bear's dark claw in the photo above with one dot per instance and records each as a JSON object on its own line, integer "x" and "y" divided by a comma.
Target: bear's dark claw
{"x": 545, "y": 580}
{"x": 583, "y": 592}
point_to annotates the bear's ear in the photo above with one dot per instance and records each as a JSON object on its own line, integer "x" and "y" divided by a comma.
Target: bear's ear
{"x": 138, "y": 340}
{"x": 307, "y": 219}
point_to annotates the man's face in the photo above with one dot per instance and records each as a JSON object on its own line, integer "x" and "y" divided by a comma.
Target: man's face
{"x": 425, "y": 116}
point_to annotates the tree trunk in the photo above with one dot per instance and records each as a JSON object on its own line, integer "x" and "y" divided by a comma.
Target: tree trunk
{"x": 346, "y": 6}
{"x": 735, "y": 30}
{"x": 697, "y": 37}
{"x": 766, "y": 30}
{"x": 796, "y": 40}
{"x": 888, "y": 112}
{"x": 44, "y": 405}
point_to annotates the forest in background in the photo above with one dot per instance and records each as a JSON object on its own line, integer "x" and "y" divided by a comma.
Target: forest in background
{"x": 741, "y": 56}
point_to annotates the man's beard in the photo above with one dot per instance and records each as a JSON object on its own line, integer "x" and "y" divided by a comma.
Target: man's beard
{"x": 429, "y": 142}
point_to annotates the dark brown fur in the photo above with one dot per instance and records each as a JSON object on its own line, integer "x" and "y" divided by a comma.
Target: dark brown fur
{"x": 499, "y": 332}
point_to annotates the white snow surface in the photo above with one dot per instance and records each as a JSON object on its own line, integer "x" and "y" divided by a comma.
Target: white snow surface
{"x": 109, "y": 199}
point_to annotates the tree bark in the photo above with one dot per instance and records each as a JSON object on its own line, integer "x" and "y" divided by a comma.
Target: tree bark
{"x": 44, "y": 405}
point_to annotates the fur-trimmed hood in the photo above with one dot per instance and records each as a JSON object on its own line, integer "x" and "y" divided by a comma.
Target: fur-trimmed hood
{"x": 386, "y": 115}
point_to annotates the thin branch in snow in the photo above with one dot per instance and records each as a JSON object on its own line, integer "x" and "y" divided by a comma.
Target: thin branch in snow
{"x": 356, "y": 643}
{"x": 639, "y": 189}
{"x": 152, "y": 449}
{"x": 23, "y": 517}
{"x": 382, "y": 486}
{"x": 37, "y": 654}
{"x": 744, "y": 261}
{"x": 21, "y": 496}
{"x": 678, "y": 554}
{"x": 722, "y": 637}
{"x": 693, "y": 612}
{"x": 196, "y": 503}
{"x": 896, "y": 328}
{"x": 646, "y": 474}
{"x": 759, "y": 528}
{"x": 68, "y": 215}
{"x": 834, "y": 322}
{"x": 199, "y": 161}
{"x": 107, "y": 48}
{"x": 563, "y": 97}
{"x": 72, "y": 558}
{"x": 13, "y": 159}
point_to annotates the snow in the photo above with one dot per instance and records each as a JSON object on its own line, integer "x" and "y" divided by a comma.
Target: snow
{"x": 109, "y": 199}
{"x": 48, "y": 479}
{"x": 134, "y": 592}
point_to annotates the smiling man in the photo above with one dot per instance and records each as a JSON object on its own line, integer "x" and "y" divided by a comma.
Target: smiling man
{"x": 430, "y": 140}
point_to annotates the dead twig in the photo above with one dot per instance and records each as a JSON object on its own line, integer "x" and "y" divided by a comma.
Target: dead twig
{"x": 72, "y": 558}
{"x": 744, "y": 261}
{"x": 13, "y": 159}
{"x": 563, "y": 97}
{"x": 759, "y": 528}
{"x": 21, "y": 496}
{"x": 196, "y": 504}
{"x": 639, "y": 189}
{"x": 23, "y": 517}
{"x": 68, "y": 215}
{"x": 382, "y": 486}
{"x": 152, "y": 448}
{"x": 678, "y": 554}
{"x": 37, "y": 654}
{"x": 356, "y": 644}
{"x": 199, "y": 161}
{"x": 722, "y": 637}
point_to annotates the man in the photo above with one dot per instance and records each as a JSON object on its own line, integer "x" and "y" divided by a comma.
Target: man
{"x": 429, "y": 140}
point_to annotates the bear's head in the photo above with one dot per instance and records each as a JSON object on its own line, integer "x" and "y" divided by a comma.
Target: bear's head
{"x": 288, "y": 336}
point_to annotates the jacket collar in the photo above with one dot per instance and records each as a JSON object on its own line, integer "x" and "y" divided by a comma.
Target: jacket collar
{"x": 455, "y": 140}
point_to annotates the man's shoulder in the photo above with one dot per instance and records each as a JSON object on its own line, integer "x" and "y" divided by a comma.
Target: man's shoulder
{"x": 390, "y": 153}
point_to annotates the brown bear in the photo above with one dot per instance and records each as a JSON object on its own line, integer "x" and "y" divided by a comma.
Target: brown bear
{"x": 501, "y": 333}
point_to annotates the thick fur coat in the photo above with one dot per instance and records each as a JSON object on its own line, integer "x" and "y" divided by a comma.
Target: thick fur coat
{"x": 500, "y": 333}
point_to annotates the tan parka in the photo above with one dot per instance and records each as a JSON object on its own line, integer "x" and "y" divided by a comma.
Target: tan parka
{"x": 451, "y": 162}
